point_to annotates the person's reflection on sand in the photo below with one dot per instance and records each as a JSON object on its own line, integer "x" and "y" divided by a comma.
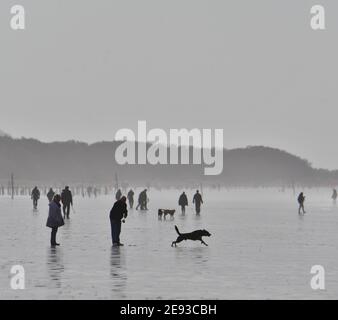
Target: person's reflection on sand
{"x": 197, "y": 217}
{"x": 118, "y": 272}
{"x": 55, "y": 266}
{"x": 300, "y": 223}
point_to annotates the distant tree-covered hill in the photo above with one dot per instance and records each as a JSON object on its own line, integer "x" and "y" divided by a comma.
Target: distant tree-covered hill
{"x": 3, "y": 134}
{"x": 77, "y": 162}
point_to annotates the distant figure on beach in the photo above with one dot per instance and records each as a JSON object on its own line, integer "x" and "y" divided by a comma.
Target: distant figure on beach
{"x": 142, "y": 200}
{"x": 183, "y": 202}
{"x": 301, "y": 199}
{"x": 118, "y": 213}
{"x": 35, "y": 197}
{"x": 55, "y": 219}
{"x": 67, "y": 201}
{"x": 130, "y": 197}
{"x": 89, "y": 191}
{"x": 334, "y": 195}
{"x": 197, "y": 200}
{"x": 118, "y": 194}
{"x": 50, "y": 195}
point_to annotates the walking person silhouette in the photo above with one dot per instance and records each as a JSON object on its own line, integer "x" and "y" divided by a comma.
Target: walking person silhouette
{"x": 301, "y": 200}
{"x": 197, "y": 200}
{"x": 67, "y": 201}
{"x": 183, "y": 202}
{"x": 35, "y": 197}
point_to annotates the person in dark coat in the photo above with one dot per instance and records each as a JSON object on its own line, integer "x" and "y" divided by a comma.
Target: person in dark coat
{"x": 183, "y": 202}
{"x": 334, "y": 195}
{"x": 130, "y": 197}
{"x": 145, "y": 200}
{"x": 142, "y": 200}
{"x": 55, "y": 219}
{"x": 139, "y": 201}
{"x": 197, "y": 200}
{"x": 50, "y": 195}
{"x": 67, "y": 201}
{"x": 118, "y": 194}
{"x": 301, "y": 199}
{"x": 35, "y": 197}
{"x": 117, "y": 213}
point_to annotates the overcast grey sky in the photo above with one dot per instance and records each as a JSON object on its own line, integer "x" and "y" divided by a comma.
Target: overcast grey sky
{"x": 84, "y": 69}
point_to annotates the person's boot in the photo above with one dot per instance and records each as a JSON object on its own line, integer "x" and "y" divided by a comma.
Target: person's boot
{"x": 120, "y": 244}
{"x": 115, "y": 244}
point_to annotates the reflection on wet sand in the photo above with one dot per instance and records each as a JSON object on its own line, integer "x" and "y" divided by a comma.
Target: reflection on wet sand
{"x": 252, "y": 242}
{"x": 118, "y": 272}
{"x": 55, "y": 266}
{"x": 196, "y": 256}
{"x": 67, "y": 230}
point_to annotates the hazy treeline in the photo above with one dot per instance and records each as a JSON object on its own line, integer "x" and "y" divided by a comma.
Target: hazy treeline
{"x": 78, "y": 162}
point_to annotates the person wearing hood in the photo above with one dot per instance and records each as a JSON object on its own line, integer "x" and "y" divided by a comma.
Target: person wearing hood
{"x": 55, "y": 219}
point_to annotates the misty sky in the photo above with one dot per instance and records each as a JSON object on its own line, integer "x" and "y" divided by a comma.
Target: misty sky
{"x": 84, "y": 69}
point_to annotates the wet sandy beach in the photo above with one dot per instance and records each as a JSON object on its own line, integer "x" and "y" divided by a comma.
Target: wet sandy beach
{"x": 260, "y": 249}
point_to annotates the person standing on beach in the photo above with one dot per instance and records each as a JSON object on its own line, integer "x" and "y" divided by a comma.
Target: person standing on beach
{"x": 197, "y": 200}
{"x": 183, "y": 202}
{"x": 118, "y": 194}
{"x": 50, "y": 195}
{"x": 67, "y": 201}
{"x": 334, "y": 195}
{"x": 130, "y": 197}
{"x": 117, "y": 213}
{"x": 142, "y": 200}
{"x": 35, "y": 197}
{"x": 301, "y": 200}
{"x": 55, "y": 219}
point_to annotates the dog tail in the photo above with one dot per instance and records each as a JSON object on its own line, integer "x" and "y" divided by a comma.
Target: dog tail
{"x": 177, "y": 230}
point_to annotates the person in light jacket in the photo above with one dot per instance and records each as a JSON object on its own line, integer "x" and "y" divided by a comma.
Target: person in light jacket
{"x": 55, "y": 219}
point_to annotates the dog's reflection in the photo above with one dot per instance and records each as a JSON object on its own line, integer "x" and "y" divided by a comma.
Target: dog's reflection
{"x": 196, "y": 257}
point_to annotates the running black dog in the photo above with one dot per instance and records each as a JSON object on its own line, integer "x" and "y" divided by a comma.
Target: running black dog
{"x": 195, "y": 235}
